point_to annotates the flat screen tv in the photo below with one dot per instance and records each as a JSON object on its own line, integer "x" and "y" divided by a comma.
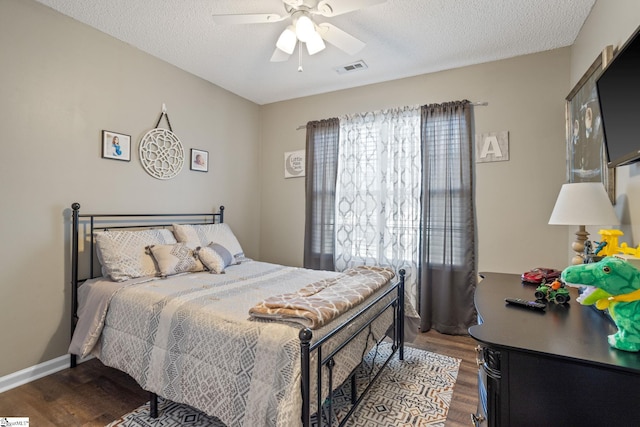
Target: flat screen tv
{"x": 619, "y": 96}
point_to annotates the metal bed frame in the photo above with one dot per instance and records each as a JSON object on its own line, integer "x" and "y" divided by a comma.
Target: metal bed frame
{"x": 101, "y": 222}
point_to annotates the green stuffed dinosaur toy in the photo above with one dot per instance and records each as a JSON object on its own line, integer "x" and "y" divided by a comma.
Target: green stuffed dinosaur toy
{"x": 611, "y": 283}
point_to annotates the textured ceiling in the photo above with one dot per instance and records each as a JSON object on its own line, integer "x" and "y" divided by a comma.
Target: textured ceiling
{"x": 404, "y": 38}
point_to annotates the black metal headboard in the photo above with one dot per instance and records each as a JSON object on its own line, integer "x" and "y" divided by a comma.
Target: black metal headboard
{"x": 86, "y": 225}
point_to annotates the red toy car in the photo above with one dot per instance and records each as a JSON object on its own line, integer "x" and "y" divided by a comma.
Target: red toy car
{"x": 541, "y": 274}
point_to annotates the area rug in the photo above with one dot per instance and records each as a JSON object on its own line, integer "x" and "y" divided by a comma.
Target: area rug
{"x": 415, "y": 392}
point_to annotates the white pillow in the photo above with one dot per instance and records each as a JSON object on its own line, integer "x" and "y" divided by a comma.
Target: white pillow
{"x": 215, "y": 257}
{"x": 123, "y": 254}
{"x": 174, "y": 259}
{"x": 204, "y": 234}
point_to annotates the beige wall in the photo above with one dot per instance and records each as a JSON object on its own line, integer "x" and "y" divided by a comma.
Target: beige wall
{"x": 611, "y": 22}
{"x": 514, "y": 198}
{"x": 62, "y": 83}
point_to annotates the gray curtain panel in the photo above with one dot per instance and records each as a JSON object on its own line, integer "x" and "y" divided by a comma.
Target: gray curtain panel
{"x": 448, "y": 274}
{"x": 321, "y": 168}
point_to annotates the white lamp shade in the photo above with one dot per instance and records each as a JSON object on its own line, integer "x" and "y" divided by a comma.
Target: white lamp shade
{"x": 315, "y": 44}
{"x": 584, "y": 203}
{"x": 287, "y": 40}
{"x": 304, "y": 28}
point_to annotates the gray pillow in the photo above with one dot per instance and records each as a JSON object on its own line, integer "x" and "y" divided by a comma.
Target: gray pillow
{"x": 215, "y": 257}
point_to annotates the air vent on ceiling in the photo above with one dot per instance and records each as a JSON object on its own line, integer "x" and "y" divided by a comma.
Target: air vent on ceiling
{"x": 355, "y": 66}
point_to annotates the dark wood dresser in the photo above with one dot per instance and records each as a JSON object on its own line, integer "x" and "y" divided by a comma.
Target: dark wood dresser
{"x": 552, "y": 368}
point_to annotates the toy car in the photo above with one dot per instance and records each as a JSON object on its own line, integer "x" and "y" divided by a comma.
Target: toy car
{"x": 555, "y": 291}
{"x": 540, "y": 275}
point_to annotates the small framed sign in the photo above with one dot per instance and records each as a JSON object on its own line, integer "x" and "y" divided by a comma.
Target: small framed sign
{"x": 294, "y": 164}
{"x": 116, "y": 146}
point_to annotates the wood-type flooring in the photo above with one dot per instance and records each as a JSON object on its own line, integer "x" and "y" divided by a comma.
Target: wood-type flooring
{"x": 94, "y": 395}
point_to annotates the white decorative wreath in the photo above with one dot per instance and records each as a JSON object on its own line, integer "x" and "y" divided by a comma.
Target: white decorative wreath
{"x": 161, "y": 153}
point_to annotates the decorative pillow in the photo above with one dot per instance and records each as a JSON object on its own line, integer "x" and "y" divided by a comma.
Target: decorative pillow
{"x": 122, "y": 253}
{"x": 175, "y": 258}
{"x": 204, "y": 234}
{"x": 215, "y": 257}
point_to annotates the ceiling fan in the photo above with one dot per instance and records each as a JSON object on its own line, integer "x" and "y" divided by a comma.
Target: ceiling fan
{"x": 303, "y": 29}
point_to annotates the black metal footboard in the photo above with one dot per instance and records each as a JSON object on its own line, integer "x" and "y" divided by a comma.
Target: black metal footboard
{"x": 327, "y": 361}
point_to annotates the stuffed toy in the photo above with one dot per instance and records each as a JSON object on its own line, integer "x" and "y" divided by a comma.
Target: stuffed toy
{"x": 611, "y": 283}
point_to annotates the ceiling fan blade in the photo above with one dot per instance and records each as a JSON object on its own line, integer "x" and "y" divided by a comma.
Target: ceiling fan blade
{"x": 279, "y": 56}
{"x": 338, "y": 7}
{"x": 248, "y": 18}
{"x": 340, "y": 39}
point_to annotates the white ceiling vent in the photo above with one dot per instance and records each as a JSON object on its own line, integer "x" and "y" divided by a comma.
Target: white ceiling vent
{"x": 355, "y": 66}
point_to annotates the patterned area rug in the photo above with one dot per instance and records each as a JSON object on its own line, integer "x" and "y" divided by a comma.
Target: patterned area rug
{"x": 416, "y": 392}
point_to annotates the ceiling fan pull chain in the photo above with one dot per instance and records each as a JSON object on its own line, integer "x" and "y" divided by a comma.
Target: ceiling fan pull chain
{"x": 300, "y": 56}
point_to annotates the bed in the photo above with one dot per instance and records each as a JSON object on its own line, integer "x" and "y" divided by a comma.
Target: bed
{"x": 184, "y": 332}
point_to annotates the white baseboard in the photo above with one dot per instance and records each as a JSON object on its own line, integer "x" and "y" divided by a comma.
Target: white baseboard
{"x": 35, "y": 372}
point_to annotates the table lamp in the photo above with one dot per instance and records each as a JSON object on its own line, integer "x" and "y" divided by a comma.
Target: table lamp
{"x": 581, "y": 204}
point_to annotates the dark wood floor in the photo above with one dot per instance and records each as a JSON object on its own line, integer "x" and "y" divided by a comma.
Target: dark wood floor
{"x": 94, "y": 395}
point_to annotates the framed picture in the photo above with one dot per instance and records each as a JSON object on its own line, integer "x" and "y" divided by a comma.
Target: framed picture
{"x": 199, "y": 160}
{"x": 116, "y": 146}
{"x": 294, "y": 164}
{"x": 586, "y": 156}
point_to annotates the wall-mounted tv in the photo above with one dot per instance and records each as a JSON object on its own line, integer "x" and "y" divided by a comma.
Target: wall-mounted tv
{"x": 619, "y": 95}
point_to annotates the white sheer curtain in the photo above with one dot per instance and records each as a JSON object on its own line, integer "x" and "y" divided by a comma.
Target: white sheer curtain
{"x": 378, "y": 193}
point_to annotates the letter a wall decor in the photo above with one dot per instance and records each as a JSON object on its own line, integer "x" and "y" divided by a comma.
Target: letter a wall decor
{"x": 492, "y": 147}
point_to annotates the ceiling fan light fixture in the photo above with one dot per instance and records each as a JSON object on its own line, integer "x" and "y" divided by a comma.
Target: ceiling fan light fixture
{"x": 287, "y": 40}
{"x": 315, "y": 44}
{"x": 305, "y": 28}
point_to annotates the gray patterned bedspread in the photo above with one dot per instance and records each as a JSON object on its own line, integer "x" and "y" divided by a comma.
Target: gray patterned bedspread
{"x": 190, "y": 339}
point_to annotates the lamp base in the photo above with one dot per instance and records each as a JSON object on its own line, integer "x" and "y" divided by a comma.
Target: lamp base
{"x": 578, "y": 245}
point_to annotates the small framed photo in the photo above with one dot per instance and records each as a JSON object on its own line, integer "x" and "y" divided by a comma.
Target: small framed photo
{"x": 199, "y": 160}
{"x": 116, "y": 146}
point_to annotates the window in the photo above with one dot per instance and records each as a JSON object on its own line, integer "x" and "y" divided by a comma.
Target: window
{"x": 447, "y": 190}
{"x": 322, "y": 158}
{"x": 378, "y": 188}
